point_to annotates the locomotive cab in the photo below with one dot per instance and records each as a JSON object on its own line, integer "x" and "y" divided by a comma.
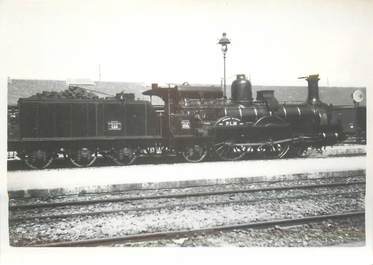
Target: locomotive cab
{"x": 187, "y": 107}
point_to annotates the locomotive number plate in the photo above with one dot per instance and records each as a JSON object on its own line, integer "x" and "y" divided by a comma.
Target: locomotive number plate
{"x": 114, "y": 125}
{"x": 229, "y": 121}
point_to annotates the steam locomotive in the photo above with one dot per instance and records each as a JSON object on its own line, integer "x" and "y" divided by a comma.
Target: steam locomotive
{"x": 194, "y": 122}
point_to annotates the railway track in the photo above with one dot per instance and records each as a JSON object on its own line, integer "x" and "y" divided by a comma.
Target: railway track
{"x": 136, "y": 213}
{"x": 183, "y": 195}
{"x": 44, "y": 218}
{"x": 182, "y": 191}
{"x": 190, "y": 205}
{"x": 192, "y": 232}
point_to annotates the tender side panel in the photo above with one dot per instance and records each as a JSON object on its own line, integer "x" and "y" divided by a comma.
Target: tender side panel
{"x": 92, "y": 129}
{"x": 100, "y": 125}
{"x": 47, "y": 120}
{"x": 29, "y": 120}
{"x": 113, "y": 119}
{"x": 136, "y": 119}
{"x": 73, "y": 119}
{"x": 79, "y": 120}
{"x": 63, "y": 120}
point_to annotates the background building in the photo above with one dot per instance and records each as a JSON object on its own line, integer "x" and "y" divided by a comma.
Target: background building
{"x": 20, "y": 88}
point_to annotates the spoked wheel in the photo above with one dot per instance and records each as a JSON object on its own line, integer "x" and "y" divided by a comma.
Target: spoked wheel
{"x": 82, "y": 157}
{"x": 274, "y": 151}
{"x": 195, "y": 153}
{"x": 38, "y": 159}
{"x": 123, "y": 156}
{"x": 229, "y": 152}
{"x": 278, "y": 150}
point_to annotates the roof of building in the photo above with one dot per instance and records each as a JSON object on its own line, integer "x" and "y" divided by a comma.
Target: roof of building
{"x": 22, "y": 88}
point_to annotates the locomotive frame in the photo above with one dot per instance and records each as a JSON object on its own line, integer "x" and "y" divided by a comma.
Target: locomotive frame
{"x": 194, "y": 122}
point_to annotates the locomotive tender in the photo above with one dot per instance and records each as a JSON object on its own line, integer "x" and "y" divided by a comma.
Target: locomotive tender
{"x": 194, "y": 122}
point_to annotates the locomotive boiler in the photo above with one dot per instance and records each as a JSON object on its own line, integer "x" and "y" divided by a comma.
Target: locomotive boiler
{"x": 205, "y": 122}
{"x": 194, "y": 122}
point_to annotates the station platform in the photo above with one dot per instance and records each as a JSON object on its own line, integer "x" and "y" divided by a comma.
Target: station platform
{"x": 344, "y": 150}
{"x": 57, "y": 182}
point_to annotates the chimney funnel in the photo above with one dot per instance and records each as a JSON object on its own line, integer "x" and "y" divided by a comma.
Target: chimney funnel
{"x": 313, "y": 89}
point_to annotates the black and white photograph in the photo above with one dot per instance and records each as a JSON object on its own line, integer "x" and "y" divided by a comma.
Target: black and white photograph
{"x": 140, "y": 125}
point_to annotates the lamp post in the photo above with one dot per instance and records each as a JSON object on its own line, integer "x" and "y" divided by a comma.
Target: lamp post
{"x": 224, "y": 41}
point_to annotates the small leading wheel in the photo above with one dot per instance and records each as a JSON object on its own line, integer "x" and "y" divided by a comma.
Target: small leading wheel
{"x": 123, "y": 156}
{"x": 38, "y": 159}
{"x": 82, "y": 157}
{"x": 194, "y": 153}
{"x": 229, "y": 151}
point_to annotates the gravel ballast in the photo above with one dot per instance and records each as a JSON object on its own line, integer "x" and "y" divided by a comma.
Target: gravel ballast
{"x": 88, "y": 227}
{"x": 347, "y": 232}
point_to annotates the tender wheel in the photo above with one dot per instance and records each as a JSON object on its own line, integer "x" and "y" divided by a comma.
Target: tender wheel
{"x": 82, "y": 157}
{"x": 38, "y": 159}
{"x": 123, "y": 156}
{"x": 229, "y": 152}
{"x": 195, "y": 153}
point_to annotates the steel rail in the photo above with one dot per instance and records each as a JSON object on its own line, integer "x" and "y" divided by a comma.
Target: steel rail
{"x": 190, "y": 205}
{"x": 273, "y": 181}
{"x": 191, "y": 232}
{"x": 180, "y": 195}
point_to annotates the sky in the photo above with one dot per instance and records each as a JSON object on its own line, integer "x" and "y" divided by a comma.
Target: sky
{"x": 273, "y": 42}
